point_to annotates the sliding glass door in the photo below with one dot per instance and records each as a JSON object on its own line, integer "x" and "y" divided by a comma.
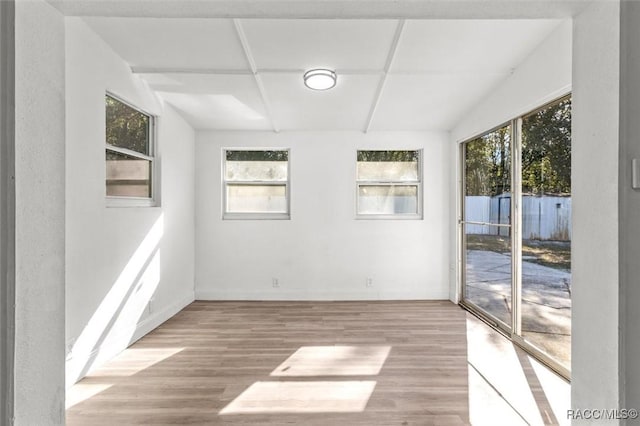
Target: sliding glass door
{"x": 487, "y": 225}
{"x": 546, "y": 230}
{"x": 516, "y": 244}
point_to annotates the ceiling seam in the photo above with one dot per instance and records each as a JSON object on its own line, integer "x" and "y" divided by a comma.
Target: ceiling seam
{"x": 360, "y": 71}
{"x": 203, "y": 71}
{"x": 248, "y": 55}
{"x": 383, "y": 79}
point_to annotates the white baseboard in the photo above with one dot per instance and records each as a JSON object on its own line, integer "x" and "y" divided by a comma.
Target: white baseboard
{"x": 79, "y": 366}
{"x": 154, "y": 321}
{"x": 301, "y": 295}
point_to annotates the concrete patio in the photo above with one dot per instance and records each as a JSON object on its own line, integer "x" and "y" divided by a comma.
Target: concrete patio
{"x": 546, "y": 299}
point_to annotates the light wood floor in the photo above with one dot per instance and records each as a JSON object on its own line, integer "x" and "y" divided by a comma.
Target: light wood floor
{"x": 288, "y": 363}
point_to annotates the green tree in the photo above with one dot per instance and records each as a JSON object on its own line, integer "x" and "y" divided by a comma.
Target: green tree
{"x": 488, "y": 163}
{"x": 546, "y": 150}
{"x": 126, "y": 127}
{"x": 546, "y": 155}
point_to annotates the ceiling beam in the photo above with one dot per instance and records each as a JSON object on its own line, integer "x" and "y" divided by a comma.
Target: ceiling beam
{"x": 252, "y": 64}
{"x": 296, "y": 71}
{"x": 203, "y": 71}
{"x": 383, "y": 79}
{"x": 222, "y": 71}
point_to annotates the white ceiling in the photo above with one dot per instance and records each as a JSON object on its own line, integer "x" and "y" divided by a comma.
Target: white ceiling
{"x": 392, "y": 74}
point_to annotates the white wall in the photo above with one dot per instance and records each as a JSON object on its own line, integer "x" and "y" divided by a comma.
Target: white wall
{"x": 594, "y": 176}
{"x": 323, "y": 252}
{"x": 120, "y": 259}
{"x": 40, "y": 221}
{"x": 542, "y": 77}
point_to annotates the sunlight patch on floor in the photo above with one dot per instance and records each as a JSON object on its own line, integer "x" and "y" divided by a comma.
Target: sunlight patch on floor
{"x": 132, "y": 361}
{"x": 81, "y": 392}
{"x": 302, "y": 397}
{"x": 487, "y": 407}
{"x": 334, "y": 361}
{"x": 531, "y": 391}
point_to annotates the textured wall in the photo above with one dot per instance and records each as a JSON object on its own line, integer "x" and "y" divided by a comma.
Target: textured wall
{"x": 40, "y": 221}
{"x": 594, "y": 176}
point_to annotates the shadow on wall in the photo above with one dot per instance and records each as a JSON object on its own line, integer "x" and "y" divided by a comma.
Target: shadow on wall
{"x": 114, "y": 321}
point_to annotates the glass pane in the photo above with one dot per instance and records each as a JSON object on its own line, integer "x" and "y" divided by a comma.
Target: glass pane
{"x": 127, "y": 176}
{"x": 256, "y": 170}
{"x": 256, "y": 165}
{"x": 126, "y": 127}
{"x": 546, "y": 230}
{"x": 388, "y": 166}
{"x": 488, "y": 177}
{"x": 488, "y": 270}
{"x": 388, "y": 199}
{"x": 256, "y": 199}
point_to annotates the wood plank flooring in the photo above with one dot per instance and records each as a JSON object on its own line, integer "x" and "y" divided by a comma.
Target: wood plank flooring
{"x": 287, "y": 363}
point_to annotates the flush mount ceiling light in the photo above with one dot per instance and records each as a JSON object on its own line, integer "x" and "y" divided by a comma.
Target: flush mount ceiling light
{"x": 320, "y": 79}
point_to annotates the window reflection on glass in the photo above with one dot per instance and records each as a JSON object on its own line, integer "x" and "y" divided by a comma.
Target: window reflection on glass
{"x": 388, "y": 166}
{"x": 387, "y": 199}
{"x": 256, "y": 198}
{"x": 127, "y": 176}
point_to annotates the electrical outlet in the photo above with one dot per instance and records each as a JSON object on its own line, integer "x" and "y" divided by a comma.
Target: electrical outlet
{"x": 275, "y": 283}
{"x": 369, "y": 282}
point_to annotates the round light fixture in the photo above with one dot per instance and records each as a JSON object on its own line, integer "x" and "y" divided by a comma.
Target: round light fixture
{"x": 320, "y": 79}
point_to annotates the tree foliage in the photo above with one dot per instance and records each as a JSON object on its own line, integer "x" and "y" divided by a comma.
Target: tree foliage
{"x": 126, "y": 127}
{"x": 391, "y": 156}
{"x": 546, "y": 150}
{"x": 487, "y": 163}
{"x": 264, "y": 155}
{"x": 546, "y": 155}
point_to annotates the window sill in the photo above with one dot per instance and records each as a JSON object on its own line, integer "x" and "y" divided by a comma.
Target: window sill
{"x": 388, "y": 217}
{"x": 126, "y": 202}
{"x": 256, "y": 216}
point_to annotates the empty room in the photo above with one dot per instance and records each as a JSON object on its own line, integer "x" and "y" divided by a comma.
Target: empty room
{"x": 270, "y": 212}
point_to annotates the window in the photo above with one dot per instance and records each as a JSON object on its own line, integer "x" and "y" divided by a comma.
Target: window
{"x": 389, "y": 184}
{"x": 129, "y": 153}
{"x": 256, "y": 184}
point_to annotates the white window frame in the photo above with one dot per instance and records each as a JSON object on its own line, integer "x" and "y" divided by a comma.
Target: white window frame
{"x": 394, "y": 216}
{"x": 123, "y": 201}
{"x": 258, "y": 215}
